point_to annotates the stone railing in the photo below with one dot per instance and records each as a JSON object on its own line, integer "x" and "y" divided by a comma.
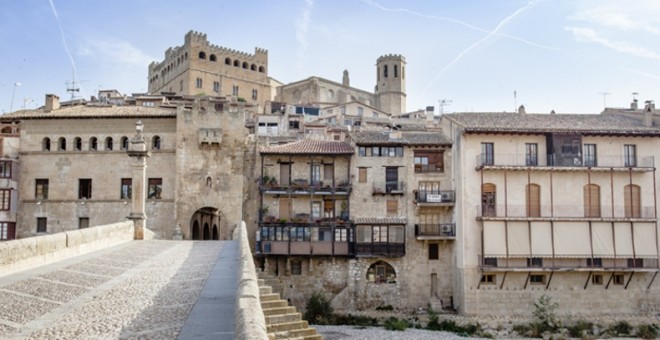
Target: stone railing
{"x": 26, "y": 253}
{"x": 250, "y": 322}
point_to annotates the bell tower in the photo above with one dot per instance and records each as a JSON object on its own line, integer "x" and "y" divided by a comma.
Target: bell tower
{"x": 391, "y": 83}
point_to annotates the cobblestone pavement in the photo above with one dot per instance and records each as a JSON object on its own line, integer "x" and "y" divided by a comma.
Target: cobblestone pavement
{"x": 138, "y": 290}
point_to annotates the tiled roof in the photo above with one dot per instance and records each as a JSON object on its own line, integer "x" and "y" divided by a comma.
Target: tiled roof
{"x": 407, "y": 138}
{"x": 311, "y": 147}
{"x": 380, "y": 220}
{"x": 82, "y": 111}
{"x": 508, "y": 122}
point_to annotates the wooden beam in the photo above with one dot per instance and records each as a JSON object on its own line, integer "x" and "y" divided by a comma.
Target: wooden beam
{"x": 588, "y": 278}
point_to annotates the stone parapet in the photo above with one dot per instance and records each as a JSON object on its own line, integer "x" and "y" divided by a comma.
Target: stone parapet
{"x": 250, "y": 322}
{"x": 22, "y": 254}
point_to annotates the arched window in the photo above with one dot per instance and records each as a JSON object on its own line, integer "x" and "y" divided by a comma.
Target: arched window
{"x": 591, "y": 200}
{"x": 155, "y": 143}
{"x": 262, "y": 69}
{"x": 227, "y": 61}
{"x": 245, "y": 65}
{"x": 124, "y": 143}
{"x": 209, "y": 182}
{"x": 45, "y": 144}
{"x": 207, "y": 232}
{"x": 237, "y": 63}
{"x": 253, "y": 67}
{"x": 202, "y": 55}
{"x": 632, "y": 201}
{"x": 77, "y": 144}
{"x": 212, "y": 57}
{"x": 381, "y": 272}
{"x": 185, "y": 56}
{"x": 533, "y": 198}
{"x": 61, "y": 144}
{"x": 215, "y": 233}
{"x": 108, "y": 143}
{"x": 195, "y": 231}
{"x": 396, "y": 71}
{"x": 385, "y": 71}
{"x": 488, "y": 207}
{"x": 93, "y": 144}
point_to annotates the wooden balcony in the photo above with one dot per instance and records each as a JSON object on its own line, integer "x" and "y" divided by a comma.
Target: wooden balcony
{"x": 564, "y": 162}
{"x": 564, "y": 212}
{"x": 388, "y": 188}
{"x": 385, "y": 249}
{"x": 443, "y": 231}
{"x": 303, "y": 187}
{"x": 434, "y": 198}
{"x": 327, "y": 239}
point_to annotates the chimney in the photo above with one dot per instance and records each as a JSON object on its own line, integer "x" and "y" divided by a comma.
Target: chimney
{"x": 633, "y": 105}
{"x": 430, "y": 113}
{"x": 521, "y": 110}
{"x": 649, "y": 105}
{"x": 346, "y": 81}
{"x": 52, "y": 102}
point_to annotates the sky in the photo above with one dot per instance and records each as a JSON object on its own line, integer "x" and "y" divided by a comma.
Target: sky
{"x": 570, "y": 56}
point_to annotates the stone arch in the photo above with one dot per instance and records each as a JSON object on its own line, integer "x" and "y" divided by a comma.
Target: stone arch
{"x": 45, "y": 144}
{"x": 156, "y": 143}
{"x": 245, "y": 65}
{"x": 108, "y": 143}
{"x": 209, "y": 224}
{"x": 61, "y": 144}
{"x": 237, "y": 63}
{"x": 93, "y": 144}
{"x": 124, "y": 143}
{"x": 202, "y": 55}
{"x": 262, "y": 69}
{"x": 215, "y": 235}
{"x": 77, "y": 144}
{"x": 253, "y": 67}
{"x": 227, "y": 61}
{"x": 381, "y": 272}
{"x": 207, "y": 232}
{"x": 195, "y": 231}
{"x": 212, "y": 57}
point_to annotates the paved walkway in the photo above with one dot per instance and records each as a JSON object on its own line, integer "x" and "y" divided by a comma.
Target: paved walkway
{"x": 141, "y": 289}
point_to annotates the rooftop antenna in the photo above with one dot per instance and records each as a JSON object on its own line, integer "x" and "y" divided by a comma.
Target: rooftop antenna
{"x": 441, "y": 105}
{"x": 73, "y": 86}
{"x": 635, "y": 94}
{"x": 515, "y": 101}
{"x": 604, "y": 94}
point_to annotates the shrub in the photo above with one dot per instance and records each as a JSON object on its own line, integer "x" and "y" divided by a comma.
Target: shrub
{"x": 647, "y": 331}
{"x": 620, "y": 328}
{"x": 580, "y": 329}
{"x": 394, "y": 324}
{"x": 354, "y": 320}
{"x": 318, "y": 310}
{"x": 385, "y": 308}
{"x": 522, "y": 329}
{"x": 545, "y": 311}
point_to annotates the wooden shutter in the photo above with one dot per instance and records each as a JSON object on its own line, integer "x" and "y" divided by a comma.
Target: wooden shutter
{"x": 533, "y": 200}
{"x": 631, "y": 199}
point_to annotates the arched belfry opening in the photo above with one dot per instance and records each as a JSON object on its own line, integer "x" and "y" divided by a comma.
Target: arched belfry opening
{"x": 206, "y": 224}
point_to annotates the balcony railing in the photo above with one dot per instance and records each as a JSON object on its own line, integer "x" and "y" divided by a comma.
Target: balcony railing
{"x": 435, "y": 196}
{"x": 442, "y": 230}
{"x": 303, "y": 239}
{"x": 388, "y": 187}
{"x": 556, "y": 160}
{"x": 585, "y": 264}
{"x": 270, "y": 185}
{"x": 423, "y": 168}
{"x": 564, "y": 211}
{"x": 380, "y": 249}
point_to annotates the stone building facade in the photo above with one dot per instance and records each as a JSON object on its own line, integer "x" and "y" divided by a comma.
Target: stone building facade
{"x": 9, "y": 174}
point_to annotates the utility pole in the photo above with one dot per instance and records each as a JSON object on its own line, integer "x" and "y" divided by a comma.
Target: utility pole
{"x": 604, "y": 94}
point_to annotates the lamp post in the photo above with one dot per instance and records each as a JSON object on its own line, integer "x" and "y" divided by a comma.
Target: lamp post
{"x": 11, "y": 107}
{"x": 138, "y": 150}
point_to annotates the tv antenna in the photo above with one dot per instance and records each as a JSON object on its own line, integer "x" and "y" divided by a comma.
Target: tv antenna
{"x": 442, "y": 103}
{"x": 73, "y": 86}
{"x": 604, "y": 94}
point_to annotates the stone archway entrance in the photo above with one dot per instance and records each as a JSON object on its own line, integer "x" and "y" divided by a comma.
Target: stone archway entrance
{"x": 204, "y": 224}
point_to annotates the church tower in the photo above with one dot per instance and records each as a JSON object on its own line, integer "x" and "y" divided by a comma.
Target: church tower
{"x": 391, "y": 83}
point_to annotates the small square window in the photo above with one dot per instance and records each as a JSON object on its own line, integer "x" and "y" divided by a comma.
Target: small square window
{"x": 535, "y": 262}
{"x": 618, "y": 279}
{"x": 42, "y": 224}
{"x": 490, "y": 261}
{"x": 597, "y": 279}
{"x": 83, "y": 222}
{"x": 85, "y": 188}
{"x": 433, "y": 251}
{"x": 126, "y": 190}
{"x": 596, "y": 262}
{"x": 488, "y": 279}
{"x": 41, "y": 189}
{"x": 155, "y": 188}
{"x": 296, "y": 267}
{"x": 537, "y": 279}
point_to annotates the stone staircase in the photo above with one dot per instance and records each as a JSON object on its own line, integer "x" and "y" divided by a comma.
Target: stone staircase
{"x": 282, "y": 321}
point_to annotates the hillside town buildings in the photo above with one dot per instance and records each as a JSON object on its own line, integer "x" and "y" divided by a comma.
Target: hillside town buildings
{"x": 346, "y": 192}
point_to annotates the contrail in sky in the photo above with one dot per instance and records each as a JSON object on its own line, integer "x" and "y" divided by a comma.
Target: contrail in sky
{"x": 66, "y": 47}
{"x": 479, "y": 42}
{"x": 302, "y": 26}
{"x": 456, "y": 21}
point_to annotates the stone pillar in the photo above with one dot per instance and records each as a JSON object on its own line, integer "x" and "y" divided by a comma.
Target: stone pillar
{"x": 138, "y": 150}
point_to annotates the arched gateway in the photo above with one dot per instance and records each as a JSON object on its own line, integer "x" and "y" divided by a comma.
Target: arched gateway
{"x": 204, "y": 224}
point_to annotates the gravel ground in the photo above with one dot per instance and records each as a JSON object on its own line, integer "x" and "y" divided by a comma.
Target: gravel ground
{"x": 354, "y": 333}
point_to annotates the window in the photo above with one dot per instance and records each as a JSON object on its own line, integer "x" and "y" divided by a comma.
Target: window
{"x": 216, "y": 86}
{"x": 42, "y": 224}
{"x": 296, "y": 267}
{"x": 487, "y": 156}
{"x": 77, "y": 144}
{"x": 5, "y": 169}
{"x": 234, "y": 90}
{"x": 488, "y": 279}
{"x": 597, "y": 279}
{"x": 534, "y": 262}
{"x": 254, "y": 94}
{"x": 533, "y": 195}
{"x": 596, "y": 262}
{"x": 392, "y": 179}
{"x": 202, "y": 55}
{"x": 5, "y": 199}
{"x": 41, "y": 189}
{"x": 108, "y": 143}
{"x": 591, "y": 200}
{"x": 212, "y": 57}
{"x": 433, "y": 251}
{"x": 630, "y": 155}
{"x": 83, "y": 222}
{"x": 618, "y": 279}
{"x": 396, "y": 71}
{"x": 362, "y": 151}
{"x": 155, "y": 143}
{"x": 7, "y": 230}
{"x": 362, "y": 175}
{"x": 85, "y": 188}
{"x": 531, "y": 154}
{"x": 488, "y": 195}
{"x": 635, "y": 263}
{"x": 198, "y": 83}
{"x": 590, "y": 159}
{"x": 490, "y": 261}
{"x": 631, "y": 201}
{"x": 429, "y": 161}
{"x": 537, "y": 279}
{"x": 93, "y": 144}
{"x": 392, "y": 207}
{"x": 126, "y": 188}
{"x": 341, "y": 235}
{"x": 155, "y": 188}
{"x": 45, "y": 144}
{"x": 381, "y": 272}
{"x": 180, "y": 85}
{"x": 316, "y": 174}
{"x": 61, "y": 144}
{"x": 385, "y": 71}
{"x": 124, "y": 143}
{"x": 227, "y": 61}
{"x": 316, "y": 210}
{"x": 360, "y": 111}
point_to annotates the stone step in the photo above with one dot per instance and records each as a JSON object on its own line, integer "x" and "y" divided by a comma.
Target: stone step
{"x": 279, "y": 310}
{"x": 296, "y": 334}
{"x": 261, "y": 282}
{"x": 283, "y": 318}
{"x": 269, "y": 297}
{"x": 289, "y": 326}
{"x": 265, "y": 290}
{"x": 313, "y": 337}
{"x": 273, "y": 304}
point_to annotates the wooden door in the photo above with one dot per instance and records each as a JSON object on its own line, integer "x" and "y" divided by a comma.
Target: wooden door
{"x": 285, "y": 174}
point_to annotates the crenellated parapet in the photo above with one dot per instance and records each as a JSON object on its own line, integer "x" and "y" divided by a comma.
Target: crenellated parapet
{"x": 391, "y": 57}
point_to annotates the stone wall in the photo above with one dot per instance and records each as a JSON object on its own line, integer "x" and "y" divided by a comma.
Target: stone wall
{"x": 18, "y": 255}
{"x": 250, "y": 322}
